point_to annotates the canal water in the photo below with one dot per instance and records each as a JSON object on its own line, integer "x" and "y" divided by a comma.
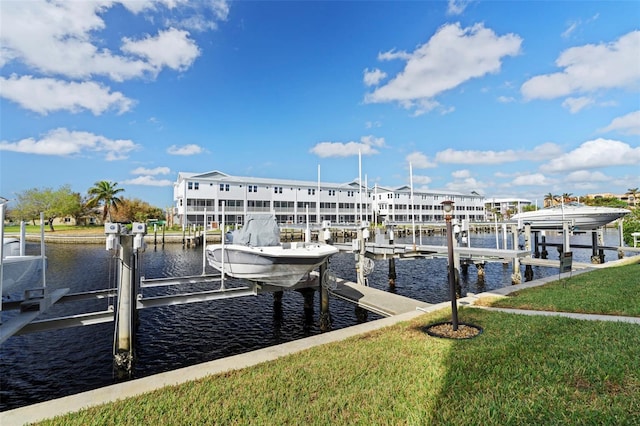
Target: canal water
{"x": 48, "y": 365}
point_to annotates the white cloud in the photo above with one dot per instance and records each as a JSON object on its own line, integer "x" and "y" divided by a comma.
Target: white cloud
{"x": 190, "y": 149}
{"x": 452, "y": 56}
{"x": 446, "y": 111}
{"x": 390, "y": 55}
{"x": 64, "y": 38}
{"x": 171, "y": 48}
{"x": 153, "y": 172}
{"x": 366, "y": 146}
{"x": 573, "y": 26}
{"x": 67, "y": 40}
{"x": 421, "y": 180}
{"x": 506, "y": 99}
{"x": 627, "y": 124}
{"x": 533, "y": 179}
{"x": 540, "y": 152}
{"x": 476, "y": 157}
{"x": 570, "y": 29}
{"x": 576, "y": 104}
{"x": 594, "y": 154}
{"x": 199, "y": 19}
{"x": 456, "y": 7}
{"x": 466, "y": 185}
{"x": 45, "y": 95}
{"x": 461, "y": 174}
{"x": 581, "y": 176}
{"x": 589, "y": 68}
{"x": 62, "y": 142}
{"x": 545, "y": 151}
{"x": 57, "y": 38}
{"x": 373, "y": 77}
{"x": 419, "y": 161}
{"x": 148, "y": 181}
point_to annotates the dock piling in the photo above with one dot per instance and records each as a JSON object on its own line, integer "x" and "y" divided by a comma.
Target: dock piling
{"x": 124, "y": 323}
{"x": 325, "y": 316}
{"x": 392, "y": 272}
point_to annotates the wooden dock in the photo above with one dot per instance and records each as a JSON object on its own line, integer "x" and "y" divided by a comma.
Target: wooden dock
{"x": 386, "y": 251}
{"x": 374, "y": 300}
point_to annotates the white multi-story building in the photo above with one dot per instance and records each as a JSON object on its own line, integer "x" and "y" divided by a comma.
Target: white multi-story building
{"x": 294, "y": 201}
{"x": 503, "y": 208}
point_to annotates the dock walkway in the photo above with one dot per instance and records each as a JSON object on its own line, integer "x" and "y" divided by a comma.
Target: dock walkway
{"x": 374, "y": 300}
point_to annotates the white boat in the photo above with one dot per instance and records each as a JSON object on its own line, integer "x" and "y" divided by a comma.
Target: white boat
{"x": 18, "y": 271}
{"x": 256, "y": 254}
{"x": 580, "y": 217}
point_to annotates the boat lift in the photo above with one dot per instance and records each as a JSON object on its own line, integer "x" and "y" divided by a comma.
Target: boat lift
{"x": 128, "y": 295}
{"x": 36, "y": 299}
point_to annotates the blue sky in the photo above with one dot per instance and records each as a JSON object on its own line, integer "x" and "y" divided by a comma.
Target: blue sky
{"x": 508, "y": 99}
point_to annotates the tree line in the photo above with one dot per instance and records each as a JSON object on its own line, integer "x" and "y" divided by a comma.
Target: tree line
{"x": 551, "y": 199}
{"x": 102, "y": 200}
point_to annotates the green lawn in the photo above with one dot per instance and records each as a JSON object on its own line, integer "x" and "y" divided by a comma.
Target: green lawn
{"x": 614, "y": 291}
{"x": 521, "y": 370}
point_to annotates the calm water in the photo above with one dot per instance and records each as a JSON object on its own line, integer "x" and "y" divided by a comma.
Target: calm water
{"x": 48, "y": 365}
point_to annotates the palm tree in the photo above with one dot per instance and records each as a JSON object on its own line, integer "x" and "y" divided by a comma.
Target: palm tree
{"x": 566, "y": 197}
{"x": 105, "y": 193}
{"x": 633, "y": 192}
{"x": 550, "y": 200}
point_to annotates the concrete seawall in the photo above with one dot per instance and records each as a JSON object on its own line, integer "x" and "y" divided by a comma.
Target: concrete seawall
{"x": 100, "y": 239}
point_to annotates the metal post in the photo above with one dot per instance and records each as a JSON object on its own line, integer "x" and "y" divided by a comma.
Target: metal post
{"x": 360, "y": 264}
{"x": 123, "y": 352}
{"x": 2, "y": 204}
{"x": 452, "y": 284}
{"x": 204, "y": 243}
{"x": 222, "y": 253}
{"x": 566, "y": 243}
{"x": 42, "y": 251}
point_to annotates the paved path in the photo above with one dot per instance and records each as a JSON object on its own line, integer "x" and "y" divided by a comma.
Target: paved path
{"x": 591, "y": 317}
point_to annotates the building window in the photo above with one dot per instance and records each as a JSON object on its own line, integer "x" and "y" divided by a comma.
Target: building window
{"x": 311, "y": 191}
{"x": 190, "y": 185}
{"x": 196, "y": 185}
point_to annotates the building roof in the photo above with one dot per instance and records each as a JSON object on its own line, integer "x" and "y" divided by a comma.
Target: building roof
{"x": 221, "y": 177}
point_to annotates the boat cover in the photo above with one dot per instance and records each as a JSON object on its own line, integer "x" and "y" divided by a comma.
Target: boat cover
{"x": 259, "y": 230}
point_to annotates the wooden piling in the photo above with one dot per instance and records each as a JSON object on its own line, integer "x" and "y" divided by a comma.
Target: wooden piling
{"x": 392, "y": 272}
{"x": 516, "y": 278}
{"x": 325, "y": 316}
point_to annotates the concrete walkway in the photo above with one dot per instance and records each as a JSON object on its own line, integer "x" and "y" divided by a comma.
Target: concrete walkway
{"x": 589, "y": 317}
{"x": 107, "y": 394}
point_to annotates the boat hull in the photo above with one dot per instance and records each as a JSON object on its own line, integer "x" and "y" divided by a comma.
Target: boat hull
{"x": 584, "y": 218}
{"x": 20, "y": 273}
{"x": 283, "y": 265}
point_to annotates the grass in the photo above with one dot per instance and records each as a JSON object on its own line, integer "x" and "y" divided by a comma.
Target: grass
{"x": 612, "y": 291}
{"x": 520, "y": 370}
{"x": 76, "y": 230}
